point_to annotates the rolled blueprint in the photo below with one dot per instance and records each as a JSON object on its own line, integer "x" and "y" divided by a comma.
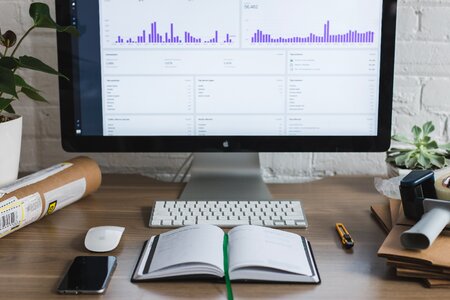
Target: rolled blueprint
{"x": 33, "y": 197}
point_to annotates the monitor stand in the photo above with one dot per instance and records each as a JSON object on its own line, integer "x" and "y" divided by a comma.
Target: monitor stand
{"x": 226, "y": 176}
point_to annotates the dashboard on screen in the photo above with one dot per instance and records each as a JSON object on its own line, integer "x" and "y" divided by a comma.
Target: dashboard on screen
{"x": 228, "y": 67}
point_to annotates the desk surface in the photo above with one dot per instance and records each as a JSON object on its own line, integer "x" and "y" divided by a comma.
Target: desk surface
{"x": 34, "y": 258}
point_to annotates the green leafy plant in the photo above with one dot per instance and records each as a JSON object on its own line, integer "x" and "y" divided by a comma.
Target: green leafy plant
{"x": 12, "y": 86}
{"x": 421, "y": 152}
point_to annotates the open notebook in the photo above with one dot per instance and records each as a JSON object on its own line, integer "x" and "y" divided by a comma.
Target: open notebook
{"x": 253, "y": 254}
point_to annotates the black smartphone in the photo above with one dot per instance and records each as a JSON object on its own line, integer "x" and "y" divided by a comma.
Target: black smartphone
{"x": 88, "y": 275}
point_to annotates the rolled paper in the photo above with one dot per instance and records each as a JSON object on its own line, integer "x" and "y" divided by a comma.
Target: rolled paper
{"x": 442, "y": 185}
{"x": 33, "y": 197}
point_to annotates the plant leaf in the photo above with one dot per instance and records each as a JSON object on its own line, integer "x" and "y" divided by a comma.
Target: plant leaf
{"x": 9, "y": 62}
{"x": 33, "y": 95}
{"x": 20, "y": 82}
{"x": 416, "y": 130}
{"x": 40, "y": 13}
{"x": 423, "y": 161}
{"x": 4, "y": 103}
{"x": 10, "y": 109}
{"x": 32, "y": 63}
{"x": 2, "y": 39}
{"x": 411, "y": 162}
{"x": 432, "y": 145}
{"x": 428, "y": 128}
{"x": 7, "y": 84}
{"x": 402, "y": 139}
{"x": 445, "y": 146}
{"x": 438, "y": 161}
{"x": 401, "y": 159}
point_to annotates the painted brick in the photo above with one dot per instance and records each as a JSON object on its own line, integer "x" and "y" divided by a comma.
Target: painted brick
{"x": 407, "y": 92}
{"x": 407, "y": 23}
{"x": 436, "y": 23}
{"x": 436, "y": 96}
{"x": 423, "y": 58}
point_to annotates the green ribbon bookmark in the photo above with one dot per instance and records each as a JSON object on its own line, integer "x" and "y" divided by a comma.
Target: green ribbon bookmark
{"x": 225, "y": 267}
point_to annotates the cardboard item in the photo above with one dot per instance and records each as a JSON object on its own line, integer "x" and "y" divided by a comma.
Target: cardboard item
{"x": 417, "y": 267}
{"x": 401, "y": 272}
{"x": 381, "y": 212}
{"x": 43, "y": 193}
{"x": 409, "y": 266}
{"x": 436, "y": 255}
{"x": 394, "y": 205}
{"x": 437, "y": 283}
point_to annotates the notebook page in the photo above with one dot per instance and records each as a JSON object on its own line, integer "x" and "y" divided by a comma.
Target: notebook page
{"x": 191, "y": 244}
{"x": 254, "y": 246}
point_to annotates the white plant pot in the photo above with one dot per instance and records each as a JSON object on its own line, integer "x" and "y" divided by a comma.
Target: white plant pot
{"x": 394, "y": 171}
{"x": 10, "y": 144}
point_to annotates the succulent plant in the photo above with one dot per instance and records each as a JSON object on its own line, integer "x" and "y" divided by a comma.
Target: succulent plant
{"x": 12, "y": 85}
{"x": 421, "y": 152}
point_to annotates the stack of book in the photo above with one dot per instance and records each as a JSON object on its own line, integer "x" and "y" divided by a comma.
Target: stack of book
{"x": 432, "y": 265}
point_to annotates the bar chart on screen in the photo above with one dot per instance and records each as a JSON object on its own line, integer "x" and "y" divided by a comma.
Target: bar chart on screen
{"x": 169, "y": 24}
{"x": 305, "y": 23}
{"x": 299, "y": 66}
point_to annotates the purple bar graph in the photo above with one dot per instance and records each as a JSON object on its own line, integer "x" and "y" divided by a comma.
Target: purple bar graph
{"x": 171, "y": 37}
{"x": 352, "y": 36}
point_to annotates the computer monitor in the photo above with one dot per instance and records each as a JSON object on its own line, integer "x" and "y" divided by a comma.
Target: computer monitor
{"x": 233, "y": 77}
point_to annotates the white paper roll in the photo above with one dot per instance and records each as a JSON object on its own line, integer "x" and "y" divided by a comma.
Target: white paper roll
{"x": 442, "y": 186}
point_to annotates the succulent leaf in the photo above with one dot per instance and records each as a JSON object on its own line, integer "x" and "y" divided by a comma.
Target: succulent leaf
{"x": 428, "y": 128}
{"x": 417, "y": 131}
{"x": 402, "y": 139}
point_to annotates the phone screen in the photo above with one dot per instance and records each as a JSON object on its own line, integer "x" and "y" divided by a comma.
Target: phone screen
{"x": 88, "y": 274}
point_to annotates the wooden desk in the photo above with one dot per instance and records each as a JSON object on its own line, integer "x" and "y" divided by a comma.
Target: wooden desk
{"x": 33, "y": 259}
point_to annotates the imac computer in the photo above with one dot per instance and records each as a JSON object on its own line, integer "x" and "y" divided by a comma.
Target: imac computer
{"x": 226, "y": 79}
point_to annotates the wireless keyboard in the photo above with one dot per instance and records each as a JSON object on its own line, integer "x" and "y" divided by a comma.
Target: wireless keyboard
{"x": 274, "y": 213}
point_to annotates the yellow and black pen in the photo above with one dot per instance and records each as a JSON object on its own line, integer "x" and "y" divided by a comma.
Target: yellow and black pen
{"x": 345, "y": 236}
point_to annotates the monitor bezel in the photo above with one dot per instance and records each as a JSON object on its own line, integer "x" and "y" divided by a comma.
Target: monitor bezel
{"x": 79, "y": 143}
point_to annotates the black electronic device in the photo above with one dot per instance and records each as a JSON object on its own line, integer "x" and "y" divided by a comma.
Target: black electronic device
{"x": 88, "y": 275}
{"x": 414, "y": 188}
{"x": 178, "y": 76}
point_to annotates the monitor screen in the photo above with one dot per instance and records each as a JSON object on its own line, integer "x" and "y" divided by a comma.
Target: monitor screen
{"x": 229, "y": 68}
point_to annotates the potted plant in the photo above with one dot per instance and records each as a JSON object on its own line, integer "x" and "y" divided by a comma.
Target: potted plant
{"x": 14, "y": 87}
{"x": 421, "y": 152}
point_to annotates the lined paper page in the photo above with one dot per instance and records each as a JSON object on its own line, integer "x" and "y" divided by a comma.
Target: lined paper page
{"x": 191, "y": 244}
{"x": 254, "y": 246}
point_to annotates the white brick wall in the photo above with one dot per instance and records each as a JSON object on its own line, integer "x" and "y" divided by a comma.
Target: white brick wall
{"x": 422, "y": 93}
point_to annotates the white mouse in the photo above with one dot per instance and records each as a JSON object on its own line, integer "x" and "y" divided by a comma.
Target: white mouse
{"x": 103, "y": 238}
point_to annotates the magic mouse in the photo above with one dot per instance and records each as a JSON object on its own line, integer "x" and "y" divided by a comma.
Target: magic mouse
{"x": 103, "y": 238}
